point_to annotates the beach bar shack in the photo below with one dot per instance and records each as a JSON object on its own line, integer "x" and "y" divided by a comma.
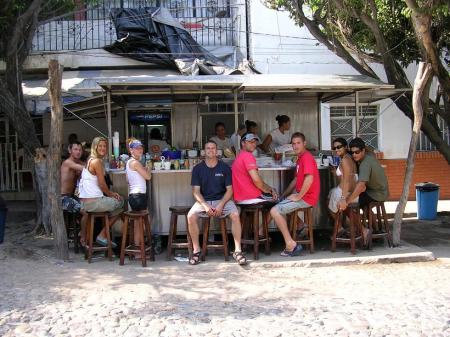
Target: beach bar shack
{"x": 186, "y": 108}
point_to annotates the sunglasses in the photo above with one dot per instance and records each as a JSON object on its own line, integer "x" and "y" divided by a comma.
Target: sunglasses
{"x": 356, "y": 152}
{"x": 338, "y": 147}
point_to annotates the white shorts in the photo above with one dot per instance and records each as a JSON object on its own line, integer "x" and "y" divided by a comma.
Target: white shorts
{"x": 334, "y": 197}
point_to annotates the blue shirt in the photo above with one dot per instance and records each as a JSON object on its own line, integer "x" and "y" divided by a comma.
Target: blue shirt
{"x": 213, "y": 181}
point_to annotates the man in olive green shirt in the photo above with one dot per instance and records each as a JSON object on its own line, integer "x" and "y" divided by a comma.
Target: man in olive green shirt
{"x": 372, "y": 182}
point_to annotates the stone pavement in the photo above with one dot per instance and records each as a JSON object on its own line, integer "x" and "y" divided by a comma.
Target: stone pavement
{"x": 44, "y": 297}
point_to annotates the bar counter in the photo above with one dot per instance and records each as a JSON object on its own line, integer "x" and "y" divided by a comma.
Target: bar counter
{"x": 173, "y": 188}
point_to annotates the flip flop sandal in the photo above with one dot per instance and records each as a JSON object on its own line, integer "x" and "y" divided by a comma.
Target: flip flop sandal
{"x": 240, "y": 258}
{"x": 195, "y": 259}
{"x": 295, "y": 252}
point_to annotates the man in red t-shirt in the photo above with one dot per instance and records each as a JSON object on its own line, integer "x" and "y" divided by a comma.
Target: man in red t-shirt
{"x": 248, "y": 187}
{"x": 306, "y": 194}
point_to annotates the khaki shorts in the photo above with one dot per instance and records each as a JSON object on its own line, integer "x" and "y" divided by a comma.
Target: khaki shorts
{"x": 103, "y": 204}
{"x": 287, "y": 206}
{"x": 229, "y": 207}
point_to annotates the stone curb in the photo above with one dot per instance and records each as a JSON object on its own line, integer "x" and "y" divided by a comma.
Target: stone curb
{"x": 354, "y": 260}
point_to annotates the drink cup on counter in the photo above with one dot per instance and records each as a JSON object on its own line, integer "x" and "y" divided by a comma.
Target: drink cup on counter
{"x": 167, "y": 165}
{"x": 176, "y": 164}
{"x": 325, "y": 162}
{"x": 158, "y": 165}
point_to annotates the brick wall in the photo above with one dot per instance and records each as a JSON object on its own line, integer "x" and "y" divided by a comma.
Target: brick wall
{"x": 429, "y": 166}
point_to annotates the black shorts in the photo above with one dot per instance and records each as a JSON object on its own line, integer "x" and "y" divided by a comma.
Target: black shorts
{"x": 365, "y": 199}
{"x": 138, "y": 201}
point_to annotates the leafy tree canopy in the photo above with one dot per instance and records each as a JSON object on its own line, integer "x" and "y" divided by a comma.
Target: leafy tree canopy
{"x": 336, "y": 19}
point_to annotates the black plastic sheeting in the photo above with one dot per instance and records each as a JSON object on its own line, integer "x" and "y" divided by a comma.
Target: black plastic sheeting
{"x": 152, "y": 35}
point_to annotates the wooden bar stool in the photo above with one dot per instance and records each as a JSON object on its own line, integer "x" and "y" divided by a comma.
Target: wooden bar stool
{"x": 308, "y": 220}
{"x": 214, "y": 244}
{"x": 139, "y": 218}
{"x": 382, "y": 229}
{"x": 250, "y": 220}
{"x": 352, "y": 212}
{"x": 90, "y": 248}
{"x": 172, "y": 240}
{"x": 72, "y": 228}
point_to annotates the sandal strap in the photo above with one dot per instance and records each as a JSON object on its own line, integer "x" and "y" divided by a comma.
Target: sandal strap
{"x": 239, "y": 257}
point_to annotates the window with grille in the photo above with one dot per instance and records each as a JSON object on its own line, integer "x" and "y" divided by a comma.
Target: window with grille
{"x": 424, "y": 144}
{"x": 343, "y": 123}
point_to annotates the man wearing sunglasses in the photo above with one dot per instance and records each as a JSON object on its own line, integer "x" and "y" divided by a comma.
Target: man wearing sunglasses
{"x": 372, "y": 183}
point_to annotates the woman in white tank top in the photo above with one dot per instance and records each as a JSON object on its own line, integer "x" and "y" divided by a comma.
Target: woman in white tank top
{"x": 95, "y": 196}
{"x": 279, "y": 136}
{"x": 137, "y": 177}
{"x": 346, "y": 173}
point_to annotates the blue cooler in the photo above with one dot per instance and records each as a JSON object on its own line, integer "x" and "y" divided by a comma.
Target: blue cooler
{"x": 3, "y": 212}
{"x": 427, "y": 196}
{"x": 169, "y": 155}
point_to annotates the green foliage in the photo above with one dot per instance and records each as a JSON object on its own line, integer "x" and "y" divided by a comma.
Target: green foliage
{"x": 393, "y": 17}
{"x": 11, "y": 10}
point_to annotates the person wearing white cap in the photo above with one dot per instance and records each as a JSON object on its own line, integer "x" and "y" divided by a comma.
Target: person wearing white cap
{"x": 248, "y": 187}
{"x": 137, "y": 176}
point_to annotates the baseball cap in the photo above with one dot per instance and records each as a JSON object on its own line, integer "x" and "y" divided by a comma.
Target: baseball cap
{"x": 249, "y": 136}
{"x": 134, "y": 144}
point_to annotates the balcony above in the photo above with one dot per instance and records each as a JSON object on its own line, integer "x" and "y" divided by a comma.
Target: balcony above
{"x": 211, "y": 23}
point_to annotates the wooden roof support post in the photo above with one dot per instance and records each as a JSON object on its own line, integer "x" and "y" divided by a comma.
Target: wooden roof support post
{"x": 108, "y": 116}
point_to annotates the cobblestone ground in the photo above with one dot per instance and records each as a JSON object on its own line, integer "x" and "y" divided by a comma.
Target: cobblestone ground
{"x": 42, "y": 298}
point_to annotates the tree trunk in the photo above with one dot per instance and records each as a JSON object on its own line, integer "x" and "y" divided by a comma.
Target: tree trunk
{"x": 41, "y": 180}
{"x": 54, "y": 161}
{"x": 422, "y": 78}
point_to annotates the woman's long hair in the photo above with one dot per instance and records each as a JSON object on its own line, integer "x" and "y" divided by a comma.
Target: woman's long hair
{"x": 94, "y": 145}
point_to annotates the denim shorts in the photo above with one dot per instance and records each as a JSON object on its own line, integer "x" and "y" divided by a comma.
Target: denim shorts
{"x": 137, "y": 201}
{"x": 287, "y": 206}
{"x": 70, "y": 203}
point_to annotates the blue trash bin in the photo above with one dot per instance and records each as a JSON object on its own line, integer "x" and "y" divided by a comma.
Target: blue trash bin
{"x": 3, "y": 212}
{"x": 427, "y": 196}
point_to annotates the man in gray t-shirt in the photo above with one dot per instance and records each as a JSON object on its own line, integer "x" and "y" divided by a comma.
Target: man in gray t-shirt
{"x": 372, "y": 182}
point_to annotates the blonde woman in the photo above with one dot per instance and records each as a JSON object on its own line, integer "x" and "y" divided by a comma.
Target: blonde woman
{"x": 95, "y": 196}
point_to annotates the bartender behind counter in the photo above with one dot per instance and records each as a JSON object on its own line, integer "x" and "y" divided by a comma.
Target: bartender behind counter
{"x": 220, "y": 139}
{"x": 279, "y": 136}
{"x": 156, "y": 144}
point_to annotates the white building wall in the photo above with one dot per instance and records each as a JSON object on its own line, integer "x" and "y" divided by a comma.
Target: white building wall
{"x": 280, "y": 46}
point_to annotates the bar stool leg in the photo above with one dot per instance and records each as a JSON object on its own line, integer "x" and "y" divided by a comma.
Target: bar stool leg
{"x": 337, "y": 223}
{"x": 173, "y": 220}
{"x": 294, "y": 222}
{"x": 266, "y": 215}
{"x": 223, "y": 228}
{"x": 308, "y": 217}
{"x": 256, "y": 234}
{"x": 206, "y": 223}
{"x": 142, "y": 241}
{"x": 108, "y": 236}
{"x": 352, "y": 232}
{"x": 124, "y": 240}
{"x": 91, "y": 237}
{"x": 148, "y": 231}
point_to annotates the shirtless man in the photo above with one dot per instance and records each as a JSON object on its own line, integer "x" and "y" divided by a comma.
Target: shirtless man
{"x": 70, "y": 172}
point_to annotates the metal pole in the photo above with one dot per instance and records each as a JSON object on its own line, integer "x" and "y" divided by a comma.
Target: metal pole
{"x": 236, "y": 111}
{"x": 108, "y": 107}
{"x": 357, "y": 112}
{"x": 126, "y": 123}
